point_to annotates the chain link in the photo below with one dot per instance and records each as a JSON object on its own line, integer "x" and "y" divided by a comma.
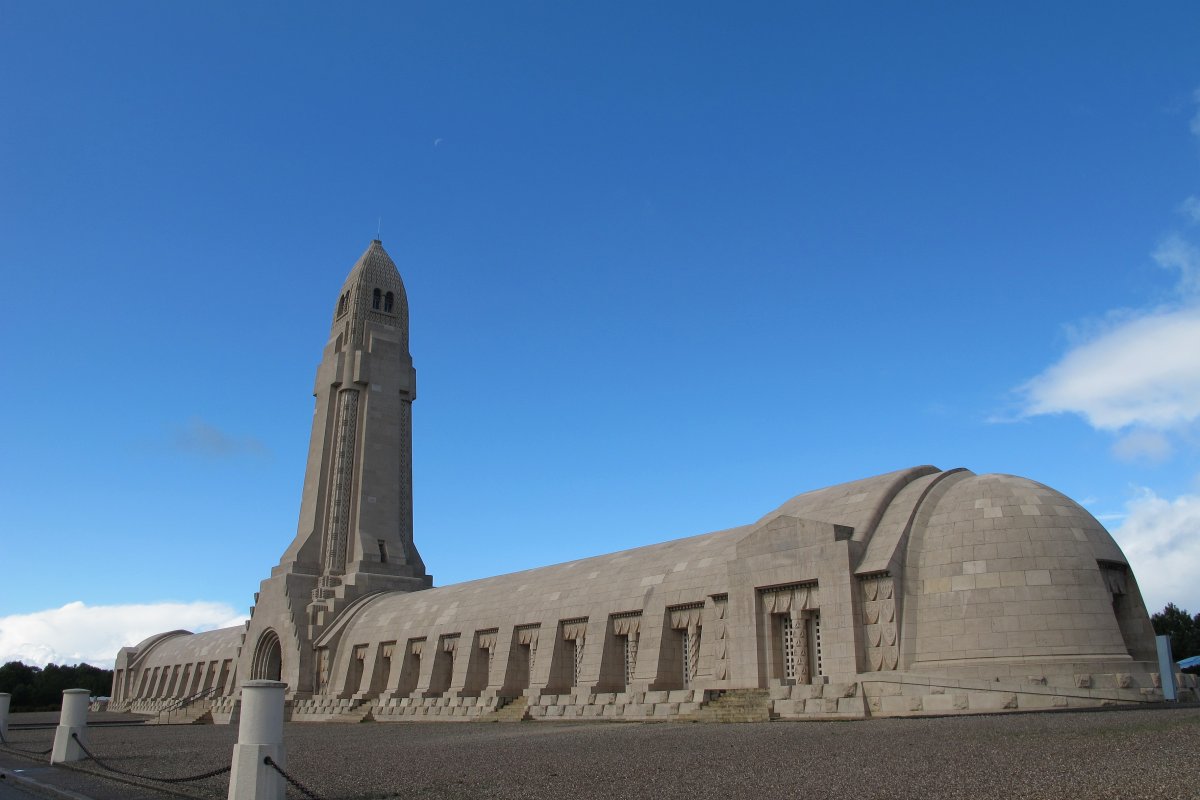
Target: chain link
{"x": 5, "y": 743}
{"x": 102, "y": 765}
{"x": 304, "y": 790}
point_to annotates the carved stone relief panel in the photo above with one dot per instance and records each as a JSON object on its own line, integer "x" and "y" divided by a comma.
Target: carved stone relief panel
{"x": 879, "y": 621}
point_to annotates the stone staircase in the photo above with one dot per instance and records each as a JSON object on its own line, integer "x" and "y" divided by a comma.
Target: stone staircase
{"x": 356, "y": 715}
{"x": 198, "y": 714}
{"x": 735, "y": 705}
{"x": 513, "y": 711}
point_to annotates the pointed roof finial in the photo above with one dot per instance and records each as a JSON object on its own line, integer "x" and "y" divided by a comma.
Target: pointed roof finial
{"x": 378, "y": 228}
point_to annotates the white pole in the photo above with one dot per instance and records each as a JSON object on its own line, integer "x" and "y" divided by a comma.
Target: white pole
{"x": 71, "y": 720}
{"x": 5, "y": 698}
{"x": 1166, "y": 667}
{"x": 260, "y": 734}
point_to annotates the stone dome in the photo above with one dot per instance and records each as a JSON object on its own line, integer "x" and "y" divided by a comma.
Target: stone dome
{"x": 1005, "y": 568}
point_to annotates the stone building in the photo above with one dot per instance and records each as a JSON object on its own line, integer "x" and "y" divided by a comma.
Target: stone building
{"x": 918, "y": 591}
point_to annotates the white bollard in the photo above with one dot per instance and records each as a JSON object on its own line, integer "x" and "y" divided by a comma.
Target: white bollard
{"x": 5, "y": 699}
{"x": 71, "y": 720}
{"x": 260, "y": 734}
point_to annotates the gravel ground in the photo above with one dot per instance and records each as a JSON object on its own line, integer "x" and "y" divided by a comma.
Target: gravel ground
{"x": 1125, "y": 754}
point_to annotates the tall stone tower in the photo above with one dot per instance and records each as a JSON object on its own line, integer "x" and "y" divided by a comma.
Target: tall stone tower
{"x": 355, "y": 534}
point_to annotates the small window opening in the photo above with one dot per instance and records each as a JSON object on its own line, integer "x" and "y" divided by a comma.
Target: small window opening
{"x": 382, "y": 551}
{"x": 575, "y": 652}
{"x": 342, "y": 304}
{"x": 388, "y": 301}
{"x": 375, "y": 299}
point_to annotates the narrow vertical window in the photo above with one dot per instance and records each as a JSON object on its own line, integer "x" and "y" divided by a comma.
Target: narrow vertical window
{"x": 630, "y": 658}
{"x": 388, "y": 300}
{"x": 382, "y": 551}
{"x": 814, "y": 636}
{"x": 575, "y": 652}
{"x": 687, "y": 658}
{"x": 375, "y": 300}
{"x": 789, "y": 646}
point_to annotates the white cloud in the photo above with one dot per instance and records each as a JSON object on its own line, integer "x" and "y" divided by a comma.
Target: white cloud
{"x": 1174, "y": 253}
{"x": 81, "y": 633}
{"x": 1143, "y": 371}
{"x": 1137, "y": 369}
{"x": 1190, "y": 208}
{"x": 1141, "y": 445}
{"x": 1161, "y": 539}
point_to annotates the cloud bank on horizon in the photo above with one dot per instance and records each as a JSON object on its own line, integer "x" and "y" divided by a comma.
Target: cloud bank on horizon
{"x": 79, "y": 633}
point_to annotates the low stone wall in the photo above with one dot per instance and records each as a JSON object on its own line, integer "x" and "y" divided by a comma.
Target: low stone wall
{"x": 873, "y": 694}
{"x": 408, "y": 709}
{"x": 818, "y": 701}
{"x": 901, "y": 694}
{"x": 149, "y": 706}
{"x": 324, "y": 709}
{"x": 654, "y": 705}
{"x": 226, "y": 710}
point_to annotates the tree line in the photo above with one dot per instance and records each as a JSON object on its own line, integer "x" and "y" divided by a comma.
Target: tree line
{"x": 1182, "y": 627}
{"x": 40, "y": 689}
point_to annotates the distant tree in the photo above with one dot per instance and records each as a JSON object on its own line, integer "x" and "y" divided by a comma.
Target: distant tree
{"x": 1183, "y": 628}
{"x": 17, "y": 679}
{"x": 36, "y": 689}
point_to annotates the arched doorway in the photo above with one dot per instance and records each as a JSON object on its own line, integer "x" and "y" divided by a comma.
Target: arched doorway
{"x": 268, "y": 658}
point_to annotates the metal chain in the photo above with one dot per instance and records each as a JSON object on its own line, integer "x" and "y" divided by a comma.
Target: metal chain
{"x": 270, "y": 762}
{"x": 5, "y": 743}
{"x": 102, "y": 765}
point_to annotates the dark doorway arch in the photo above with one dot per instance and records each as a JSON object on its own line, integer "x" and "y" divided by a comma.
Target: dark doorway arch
{"x": 268, "y": 658}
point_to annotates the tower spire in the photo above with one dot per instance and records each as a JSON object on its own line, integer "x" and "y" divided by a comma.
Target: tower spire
{"x": 355, "y": 534}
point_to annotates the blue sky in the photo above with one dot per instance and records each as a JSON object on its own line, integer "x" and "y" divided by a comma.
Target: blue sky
{"x": 668, "y": 266}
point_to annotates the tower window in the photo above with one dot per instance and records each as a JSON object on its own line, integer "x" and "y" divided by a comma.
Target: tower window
{"x": 375, "y": 300}
{"x": 388, "y": 300}
{"x": 382, "y": 551}
{"x": 342, "y": 304}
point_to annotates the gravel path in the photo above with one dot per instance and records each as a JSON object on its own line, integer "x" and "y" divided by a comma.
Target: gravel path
{"x": 1125, "y": 754}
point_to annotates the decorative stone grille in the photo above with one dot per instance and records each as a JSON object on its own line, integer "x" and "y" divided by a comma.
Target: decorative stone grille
{"x": 628, "y": 627}
{"x": 575, "y": 631}
{"x": 814, "y": 620}
{"x": 631, "y": 648}
{"x": 687, "y": 619}
{"x": 789, "y": 646}
{"x": 795, "y": 605}
{"x": 577, "y": 661}
{"x": 322, "y": 669}
{"x": 527, "y": 635}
